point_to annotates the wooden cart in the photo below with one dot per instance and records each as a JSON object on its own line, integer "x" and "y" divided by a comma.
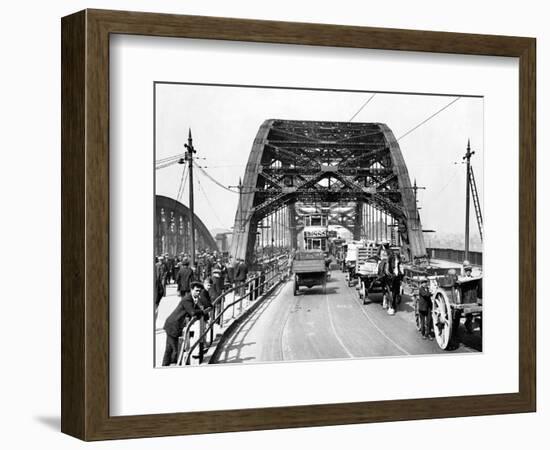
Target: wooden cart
{"x": 452, "y": 297}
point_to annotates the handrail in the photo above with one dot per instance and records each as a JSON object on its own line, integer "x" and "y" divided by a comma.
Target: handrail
{"x": 277, "y": 271}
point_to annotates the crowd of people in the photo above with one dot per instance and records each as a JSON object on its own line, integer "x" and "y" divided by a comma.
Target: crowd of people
{"x": 198, "y": 286}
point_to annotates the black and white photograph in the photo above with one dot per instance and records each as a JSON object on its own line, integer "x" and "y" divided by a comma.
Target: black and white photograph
{"x": 299, "y": 224}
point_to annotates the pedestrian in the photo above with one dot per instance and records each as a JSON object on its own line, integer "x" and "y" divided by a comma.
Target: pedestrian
{"x": 208, "y": 294}
{"x": 231, "y": 271}
{"x": 160, "y": 289}
{"x": 184, "y": 278}
{"x": 384, "y": 274}
{"x": 218, "y": 276}
{"x": 171, "y": 269}
{"x": 241, "y": 273}
{"x": 187, "y": 308}
{"x": 469, "y": 318}
{"x": 425, "y": 309}
{"x": 208, "y": 264}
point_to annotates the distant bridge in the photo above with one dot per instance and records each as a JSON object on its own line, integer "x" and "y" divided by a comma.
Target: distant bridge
{"x": 173, "y": 230}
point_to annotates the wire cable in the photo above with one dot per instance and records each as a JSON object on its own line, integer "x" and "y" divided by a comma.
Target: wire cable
{"x": 208, "y": 201}
{"x": 181, "y": 187}
{"x": 168, "y": 164}
{"x": 168, "y": 158}
{"x": 211, "y": 178}
{"x": 360, "y": 109}
{"x": 429, "y": 118}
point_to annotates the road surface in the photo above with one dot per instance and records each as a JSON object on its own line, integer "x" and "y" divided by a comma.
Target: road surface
{"x": 316, "y": 325}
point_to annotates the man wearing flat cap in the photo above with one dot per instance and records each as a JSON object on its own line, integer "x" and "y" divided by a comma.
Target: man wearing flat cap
{"x": 188, "y": 307}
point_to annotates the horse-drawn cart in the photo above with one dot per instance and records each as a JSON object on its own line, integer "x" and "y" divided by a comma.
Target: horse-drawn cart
{"x": 452, "y": 297}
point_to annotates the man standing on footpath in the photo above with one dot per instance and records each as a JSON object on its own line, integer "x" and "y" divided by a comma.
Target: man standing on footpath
{"x": 184, "y": 278}
{"x": 241, "y": 273}
{"x": 159, "y": 281}
{"x": 425, "y": 309}
{"x": 188, "y": 307}
{"x": 218, "y": 277}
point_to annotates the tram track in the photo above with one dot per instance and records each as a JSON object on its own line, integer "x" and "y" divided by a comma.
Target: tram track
{"x": 376, "y": 327}
{"x": 333, "y": 328}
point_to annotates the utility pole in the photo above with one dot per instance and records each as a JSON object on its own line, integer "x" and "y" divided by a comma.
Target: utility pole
{"x": 467, "y": 157}
{"x": 240, "y": 205}
{"x": 238, "y": 232}
{"x": 189, "y": 159}
{"x": 415, "y": 189}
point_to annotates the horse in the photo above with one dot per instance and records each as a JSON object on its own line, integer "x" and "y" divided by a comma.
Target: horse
{"x": 390, "y": 274}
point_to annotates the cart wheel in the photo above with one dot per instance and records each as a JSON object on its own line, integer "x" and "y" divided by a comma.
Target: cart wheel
{"x": 363, "y": 292}
{"x": 442, "y": 317}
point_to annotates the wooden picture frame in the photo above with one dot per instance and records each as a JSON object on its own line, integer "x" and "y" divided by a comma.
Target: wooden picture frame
{"x": 85, "y": 224}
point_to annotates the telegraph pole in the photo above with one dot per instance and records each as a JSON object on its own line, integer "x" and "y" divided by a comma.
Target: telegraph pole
{"x": 415, "y": 188}
{"x": 467, "y": 157}
{"x": 238, "y": 232}
{"x": 240, "y": 205}
{"x": 189, "y": 159}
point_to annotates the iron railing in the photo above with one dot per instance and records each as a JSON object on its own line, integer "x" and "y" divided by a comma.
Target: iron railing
{"x": 450, "y": 254}
{"x": 261, "y": 283}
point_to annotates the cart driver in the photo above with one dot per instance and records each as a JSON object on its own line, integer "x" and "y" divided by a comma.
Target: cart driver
{"x": 467, "y": 269}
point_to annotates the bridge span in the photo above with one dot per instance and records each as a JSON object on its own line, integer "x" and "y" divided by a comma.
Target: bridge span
{"x": 334, "y": 324}
{"x": 316, "y": 191}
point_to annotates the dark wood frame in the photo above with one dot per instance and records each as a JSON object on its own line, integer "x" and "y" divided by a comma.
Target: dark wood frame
{"x": 85, "y": 224}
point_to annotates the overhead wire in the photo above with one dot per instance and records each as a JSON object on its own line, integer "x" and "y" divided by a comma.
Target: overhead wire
{"x": 428, "y": 118}
{"x": 362, "y": 107}
{"x": 211, "y": 178}
{"x": 162, "y": 160}
{"x": 208, "y": 201}
{"x": 183, "y": 179}
{"x": 166, "y": 164}
{"x": 446, "y": 185}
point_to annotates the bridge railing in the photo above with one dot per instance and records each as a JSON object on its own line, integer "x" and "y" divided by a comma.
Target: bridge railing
{"x": 450, "y": 254}
{"x": 199, "y": 334}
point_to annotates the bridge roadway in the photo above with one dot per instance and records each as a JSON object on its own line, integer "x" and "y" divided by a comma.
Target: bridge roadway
{"x": 314, "y": 325}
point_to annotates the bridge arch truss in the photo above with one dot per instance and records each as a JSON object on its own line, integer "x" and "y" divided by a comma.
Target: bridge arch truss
{"x": 294, "y": 165}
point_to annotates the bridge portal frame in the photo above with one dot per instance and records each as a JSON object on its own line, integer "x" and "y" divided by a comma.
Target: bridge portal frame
{"x": 316, "y": 161}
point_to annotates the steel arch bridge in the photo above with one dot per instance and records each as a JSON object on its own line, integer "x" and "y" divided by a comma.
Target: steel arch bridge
{"x": 355, "y": 172}
{"x": 173, "y": 230}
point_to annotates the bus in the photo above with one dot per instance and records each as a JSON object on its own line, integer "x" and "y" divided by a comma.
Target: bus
{"x": 316, "y": 233}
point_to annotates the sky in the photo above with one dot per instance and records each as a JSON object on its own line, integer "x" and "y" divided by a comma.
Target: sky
{"x": 224, "y": 121}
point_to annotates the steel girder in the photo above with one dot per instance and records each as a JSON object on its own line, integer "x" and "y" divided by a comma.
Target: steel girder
{"x": 318, "y": 162}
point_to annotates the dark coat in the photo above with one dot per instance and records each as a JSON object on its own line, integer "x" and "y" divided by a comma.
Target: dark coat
{"x": 184, "y": 278}
{"x": 241, "y": 272}
{"x": 231, "y": 273}
{"x": 205, "y": 299}
{"x": 176, "y": 320}
{"x": 424, "y": 299}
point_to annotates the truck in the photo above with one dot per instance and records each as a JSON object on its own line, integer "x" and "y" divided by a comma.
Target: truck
{"x": 309, "y": 269}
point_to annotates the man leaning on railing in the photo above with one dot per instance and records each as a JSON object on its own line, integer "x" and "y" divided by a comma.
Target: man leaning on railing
{"x": 188, "y": 307}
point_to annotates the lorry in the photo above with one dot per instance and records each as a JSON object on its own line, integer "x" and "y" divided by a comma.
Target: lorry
{"x": 309, "y": 269}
